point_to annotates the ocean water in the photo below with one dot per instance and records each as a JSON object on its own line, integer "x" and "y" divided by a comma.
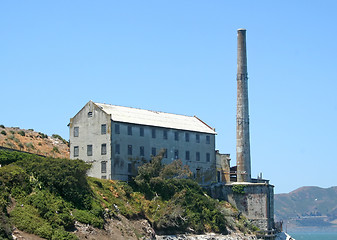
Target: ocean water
{"x": 314, "y": 236}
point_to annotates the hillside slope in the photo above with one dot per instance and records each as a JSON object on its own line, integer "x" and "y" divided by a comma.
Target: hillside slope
{"x": 33, "y": 142}
{"x": 308, "y": 207}
{"x": 53, "y": 198}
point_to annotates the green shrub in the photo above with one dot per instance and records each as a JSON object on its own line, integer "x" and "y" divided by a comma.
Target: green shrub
{"x": 22, "y": 133}
{"x": 12, "y": 132}
{"x": 2, "y": 126}
{"x": 240, "y": 189}
{"x": 61, "y": 234}
{"x": 55, "y": 149}
{"x": 87, "y": 217}
{"x": 3, "y": 132}
{"x": 42, "y": 135}
{"x": 26, "y": 218}
{"x": 29, "y": 145}
{"x": 11, "y": 137}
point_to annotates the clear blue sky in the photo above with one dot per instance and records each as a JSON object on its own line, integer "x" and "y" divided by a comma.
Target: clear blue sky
{"x": 180, "y": 57}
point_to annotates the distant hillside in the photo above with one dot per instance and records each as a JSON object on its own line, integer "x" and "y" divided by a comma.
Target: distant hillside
{"x": 33, "y": 142}
{"x": 308, "y": 207}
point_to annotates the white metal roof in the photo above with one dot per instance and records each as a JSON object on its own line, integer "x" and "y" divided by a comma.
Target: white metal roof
{"x": 153, "y": 118}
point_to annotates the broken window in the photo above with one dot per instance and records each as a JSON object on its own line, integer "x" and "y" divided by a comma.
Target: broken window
{"x": 176, "y": 136}
{"x": 141, "y": 131}
{"x": 208, "y": 157}
{"x": 153, "y": 133}
{"x": 130, "y": 130}
{"x": 197, "y": 138}
{"x": 187, "y": 137}
{"x": 89, "y": 114}
{"x": 176, "y": 154}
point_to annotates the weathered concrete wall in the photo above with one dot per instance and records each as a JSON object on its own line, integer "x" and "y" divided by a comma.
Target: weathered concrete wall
{"x": 223, "y": 167}
{"x": 89, "y": 133}
{"x": 254, "y": 200}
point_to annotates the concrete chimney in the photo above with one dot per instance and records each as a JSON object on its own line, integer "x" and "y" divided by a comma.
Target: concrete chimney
{"x": 242, "y": 114}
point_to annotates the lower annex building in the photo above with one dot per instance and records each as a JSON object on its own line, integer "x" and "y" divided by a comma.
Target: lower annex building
{"x": 116, "y": 140}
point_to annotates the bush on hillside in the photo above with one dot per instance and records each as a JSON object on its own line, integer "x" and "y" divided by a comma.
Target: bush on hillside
{"x": 3, "y": 132}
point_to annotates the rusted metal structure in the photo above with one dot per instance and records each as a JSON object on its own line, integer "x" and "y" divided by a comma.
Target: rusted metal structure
{"x": 242, "y": 116}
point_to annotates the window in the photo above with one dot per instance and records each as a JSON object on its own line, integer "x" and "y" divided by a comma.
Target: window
{"x": 76, "y": 131}
{"x": 129, "y": 149}
{"x": 103, "y": 177}
{"x": 176, "y": 154}
{"x": 103, "y": 129}
{"x": 176, "y": 136}
{"x": 197, "y": 138}
{"x": 89, "y": 150}
{"x": 130, "y": 130}
{"x": 103, "y": 149}
{"x": 208, "y": 157}
{"x": 187, "y": 155}
{"x": 76, "y": 151}
{"x": 89, "y": 114}
{"x": 154, "y": 151}
{"x": 153, "y": 133}
{"x": 117, "y": 129}
{"x": 141, "y": 151}
{"x": 197, "y": 156}
{"x": 187, "y": 137}
{"x": 208, "y": 139}
{"x": 141, "y": 131}
{"x": 103, "y": 167}
{"x": 165, "y": 153}
{"x": 117, "y": 148}
{"x": 129, "y": 167}
{"x": 165, "y": 134}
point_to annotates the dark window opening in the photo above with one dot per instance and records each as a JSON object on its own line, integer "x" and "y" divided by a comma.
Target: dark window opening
{"x": 153, "y": 133}
{"x": 103, "y": 167}
{"x": 187, "y": 155}
{"x": 117, "y": 129}
{"x": 197, "y": 156}
{"x": 89, "y": 150}
{"x": 103, "y": 129}
{"x": 103, "y": 149}
{"x": 76, "y": 151}
{"x": 129, "y": 149}
{"x": 130, "y": 130}
{"x": 176, "y": 136}
{"x": 208, "y": 157}
{"x": 176, "y": 154}
{"x": 141, "y": 132}
{"x": 141, "y": 151}
{"x": 165, "y": 134}
{"x": 154, "y": 151}
{"x": 187, "y": 137}
{"x": 117, "y": 149}
{"x": 208, "y": 139}
{"x": 89, "y": 114}
{"x": 197, "y": 138}
{"x": 76, "y": 131}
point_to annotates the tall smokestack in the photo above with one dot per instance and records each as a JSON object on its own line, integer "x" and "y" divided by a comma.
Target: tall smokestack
{"x": 242, "y": 114}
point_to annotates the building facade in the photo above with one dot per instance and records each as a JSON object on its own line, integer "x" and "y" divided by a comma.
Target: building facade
{"x": 116, "y": 140}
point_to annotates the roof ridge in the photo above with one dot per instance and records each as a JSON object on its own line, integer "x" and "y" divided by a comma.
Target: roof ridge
{"x": 147, "y": 110}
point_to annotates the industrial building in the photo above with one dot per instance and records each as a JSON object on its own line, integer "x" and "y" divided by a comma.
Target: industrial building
{"x": 116, "y": 140}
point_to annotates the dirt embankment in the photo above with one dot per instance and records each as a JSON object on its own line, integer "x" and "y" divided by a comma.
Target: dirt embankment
{"x": 33, "y": 142}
